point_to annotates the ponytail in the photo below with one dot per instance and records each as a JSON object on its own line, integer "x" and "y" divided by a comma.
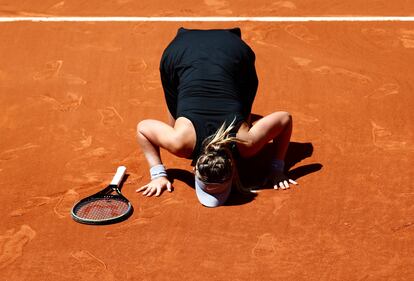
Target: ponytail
{"x": 216, "y": 163}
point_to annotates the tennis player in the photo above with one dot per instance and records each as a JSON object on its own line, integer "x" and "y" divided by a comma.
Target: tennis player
{"x": 210, "y": 82}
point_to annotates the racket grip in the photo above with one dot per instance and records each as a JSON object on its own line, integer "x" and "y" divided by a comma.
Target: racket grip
{"x": 120, "y": 172}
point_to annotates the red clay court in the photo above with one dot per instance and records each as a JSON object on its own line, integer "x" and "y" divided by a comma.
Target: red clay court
{"x": 71, "y": 94}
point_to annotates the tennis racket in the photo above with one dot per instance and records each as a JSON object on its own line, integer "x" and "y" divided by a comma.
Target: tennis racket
{"x": 104, "y": 207}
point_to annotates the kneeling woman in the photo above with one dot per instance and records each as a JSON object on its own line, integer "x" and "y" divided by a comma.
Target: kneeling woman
{"x": 210, "y": 82}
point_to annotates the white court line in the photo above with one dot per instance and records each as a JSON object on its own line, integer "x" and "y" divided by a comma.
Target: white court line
{"x": 206, "y": 19}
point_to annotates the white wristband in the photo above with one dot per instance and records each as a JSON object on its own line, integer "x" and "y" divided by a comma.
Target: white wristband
{"x": 158, "y": 171}
{"x": 277, "y": 165}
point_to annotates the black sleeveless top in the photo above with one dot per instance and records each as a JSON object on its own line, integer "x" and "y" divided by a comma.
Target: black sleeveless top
{"x": 209, "y": 77}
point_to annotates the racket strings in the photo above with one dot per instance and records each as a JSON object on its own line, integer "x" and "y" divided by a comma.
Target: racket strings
{"x": 102, "y": 209}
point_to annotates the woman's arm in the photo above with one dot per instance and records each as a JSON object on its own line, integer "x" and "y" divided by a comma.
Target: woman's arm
{"x": 153, "y": 134}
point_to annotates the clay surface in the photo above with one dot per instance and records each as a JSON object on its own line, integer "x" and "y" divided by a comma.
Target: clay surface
{"x": 71, "y": 95}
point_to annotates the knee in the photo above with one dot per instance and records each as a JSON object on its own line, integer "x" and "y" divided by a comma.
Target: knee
{"x": 141, "y": 126}
{"x": 285, "y": 117}
{"x": 144, "y": 129}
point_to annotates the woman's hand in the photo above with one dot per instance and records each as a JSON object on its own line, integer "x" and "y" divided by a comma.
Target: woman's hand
{"x": 155, "y": 187}
{"x": 280, "y": 180}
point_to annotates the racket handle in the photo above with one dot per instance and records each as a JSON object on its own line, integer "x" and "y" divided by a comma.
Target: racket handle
{"x": 120, "y": 172}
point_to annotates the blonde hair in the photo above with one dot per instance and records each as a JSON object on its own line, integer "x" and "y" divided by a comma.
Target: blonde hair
{"x": 216, "y": 163}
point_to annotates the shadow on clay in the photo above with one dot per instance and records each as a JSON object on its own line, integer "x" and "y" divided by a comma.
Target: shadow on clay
{"x": 254, "y": 171}
{"x": 257, "y": 168}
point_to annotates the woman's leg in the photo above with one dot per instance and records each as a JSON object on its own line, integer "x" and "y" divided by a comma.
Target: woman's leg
{"x": 171, "y": 119}
{"x": 276, "y": 126}
{"x": 153, "y": 134}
